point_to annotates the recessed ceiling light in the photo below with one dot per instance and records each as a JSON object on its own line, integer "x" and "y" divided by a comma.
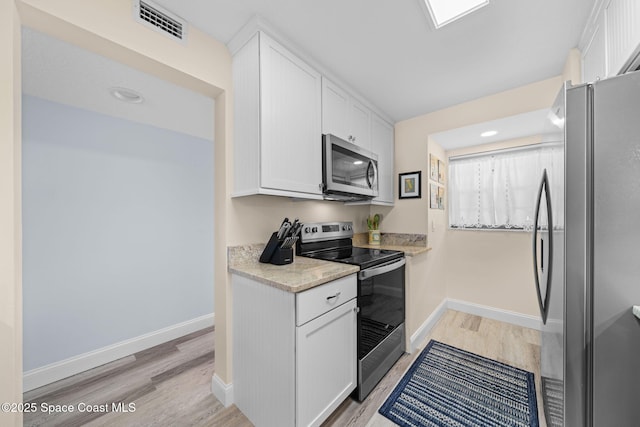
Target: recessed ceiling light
{"x": 444, "y": 12}
{"x": 357, "y": 162}
{"x": 489, "y": 133}
{"x": 126, "y": 95}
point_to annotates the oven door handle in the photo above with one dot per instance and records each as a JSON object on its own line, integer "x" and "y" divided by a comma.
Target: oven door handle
{"x": 370, "y": 272}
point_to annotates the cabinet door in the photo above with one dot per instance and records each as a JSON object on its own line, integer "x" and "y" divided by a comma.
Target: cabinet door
{"x": 335, "y": 110}
{"x": 325, "y": 364}
{"x": 623, "y": 33}
{"x": 291, "y": 148}
{"x": 360, "y": 124}
{"x": 594, "y": 60}
{"x": 383, "y": 145}
{"x": 345, "y": 117}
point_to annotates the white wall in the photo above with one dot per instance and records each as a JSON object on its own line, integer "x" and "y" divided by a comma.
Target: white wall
{"x": 10, "y": 218}
{"x": 254, "y": 218}
{"x": 498, "y": 269}
{"x": 486, "y": 268}
{"x": 203, "y": 65}
{"x": 118, "y": 230}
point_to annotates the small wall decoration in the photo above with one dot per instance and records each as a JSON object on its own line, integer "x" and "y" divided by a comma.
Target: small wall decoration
{"x": 440, "y": 197}
{"x": 433, "y": 170}
{"x": 441, "y": 172}
{"x": 410, "y": 185}
{"x": 433, "y": 196}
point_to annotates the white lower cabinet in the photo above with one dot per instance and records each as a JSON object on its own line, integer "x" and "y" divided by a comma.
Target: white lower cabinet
{"x": 294, "y": 355}
{"x": 325, "y": 364}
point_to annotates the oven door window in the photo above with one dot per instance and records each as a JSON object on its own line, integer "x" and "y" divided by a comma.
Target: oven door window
{"x": 352, "y": 169}
{"x": 381, "y": 301}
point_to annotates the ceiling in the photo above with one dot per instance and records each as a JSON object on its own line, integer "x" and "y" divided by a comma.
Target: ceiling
{"x": 388, "y": 51}
{"x": 391, "y": 54}
{"x": 508, "y": 128}
{"x": 58, "y": 71}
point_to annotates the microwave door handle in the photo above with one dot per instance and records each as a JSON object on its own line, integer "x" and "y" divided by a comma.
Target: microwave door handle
{"x": 371, "y": 182}
{"x": 375, "y": 173}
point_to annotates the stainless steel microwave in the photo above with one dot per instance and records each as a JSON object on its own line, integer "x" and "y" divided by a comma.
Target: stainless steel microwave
{"x": 349, "y": 172}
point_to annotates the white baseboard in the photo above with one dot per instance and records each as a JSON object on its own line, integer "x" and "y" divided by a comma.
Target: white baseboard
{"x": 65, "y": 368}
{"x": 507, "y": 316}
{"x": 223, "y": 392}
{"x": 425, "y": 328}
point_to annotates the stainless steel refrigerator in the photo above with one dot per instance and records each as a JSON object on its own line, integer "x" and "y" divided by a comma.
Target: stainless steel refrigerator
{"x": 586, "y": 254}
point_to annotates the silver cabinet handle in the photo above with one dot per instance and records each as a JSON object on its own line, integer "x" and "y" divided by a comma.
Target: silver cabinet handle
{"x": 333, "y": 296}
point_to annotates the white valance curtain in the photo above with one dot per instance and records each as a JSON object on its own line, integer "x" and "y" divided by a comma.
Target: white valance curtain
{"x": 499, "y": 190}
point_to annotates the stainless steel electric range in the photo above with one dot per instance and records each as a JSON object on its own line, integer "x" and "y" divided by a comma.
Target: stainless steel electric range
{"x": 381, "y": 293}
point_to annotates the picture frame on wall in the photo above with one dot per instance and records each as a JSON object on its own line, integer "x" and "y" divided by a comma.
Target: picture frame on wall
{"x": 433, "y": 167}
{"x": 433, "y": 196}
{"x": 410, "y": 185}
{"x": 441, "y": 172}
{"x": 440, "y": 197}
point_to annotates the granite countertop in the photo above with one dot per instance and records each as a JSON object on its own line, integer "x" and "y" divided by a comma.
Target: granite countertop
{"x": 408, "y": 250}
{"x": 410, "y": 244}
{"x": 302, "y": 274}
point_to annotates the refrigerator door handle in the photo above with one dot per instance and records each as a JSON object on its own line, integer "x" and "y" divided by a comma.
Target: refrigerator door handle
{"x": 543, "y": 304}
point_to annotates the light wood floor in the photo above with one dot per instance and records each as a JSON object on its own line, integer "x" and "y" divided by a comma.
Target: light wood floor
{"x": 171, "y": 384}
{"x": 506, "y": 343}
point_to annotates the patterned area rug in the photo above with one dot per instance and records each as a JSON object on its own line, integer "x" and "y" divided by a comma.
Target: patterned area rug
{"x": 447, "y": 386}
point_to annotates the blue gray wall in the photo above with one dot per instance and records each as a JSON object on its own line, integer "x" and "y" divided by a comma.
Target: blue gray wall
{"x": 117, "y": 230}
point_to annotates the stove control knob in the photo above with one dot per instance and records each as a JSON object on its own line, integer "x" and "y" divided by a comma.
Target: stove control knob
{"x": 314, "y": 229}
{"x": 307, "y": 230}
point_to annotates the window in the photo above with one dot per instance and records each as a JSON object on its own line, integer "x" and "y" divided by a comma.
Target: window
{"x": 445, "y": 11}
{"x": 498, "y": 190}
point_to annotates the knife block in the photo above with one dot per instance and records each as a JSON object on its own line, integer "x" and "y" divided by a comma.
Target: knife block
{"x": 282, "y": 256}
{"x": 274, "y": 254}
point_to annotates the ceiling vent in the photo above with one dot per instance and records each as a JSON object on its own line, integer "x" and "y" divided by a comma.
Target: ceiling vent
{"x": 158, "y": 18}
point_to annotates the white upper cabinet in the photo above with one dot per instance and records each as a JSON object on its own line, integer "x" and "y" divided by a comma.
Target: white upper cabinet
{"x": 382, "y": 141}
{"x": 623, "y": 33}
{"x": 360, "y": 118}
{"x": 612, "y": 39}
{"x": 594, "y": 59}
{"x": 335, "y": 110}
{"x": 344, "y": 116}
{"x": 277, "y": 122}
{"x": 282, "y": 106}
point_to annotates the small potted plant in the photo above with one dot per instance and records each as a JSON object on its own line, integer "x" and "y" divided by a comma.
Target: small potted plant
{"x": 373, "y": 223}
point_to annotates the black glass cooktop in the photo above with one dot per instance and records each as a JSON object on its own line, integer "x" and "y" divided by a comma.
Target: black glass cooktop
{"x": 362, "y": 257}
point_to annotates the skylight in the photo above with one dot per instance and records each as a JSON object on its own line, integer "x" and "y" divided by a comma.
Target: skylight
{"x": 444, "y": 12}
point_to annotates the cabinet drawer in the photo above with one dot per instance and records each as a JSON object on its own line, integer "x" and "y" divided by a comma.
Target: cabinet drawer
{"x": 317, "y": 301}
